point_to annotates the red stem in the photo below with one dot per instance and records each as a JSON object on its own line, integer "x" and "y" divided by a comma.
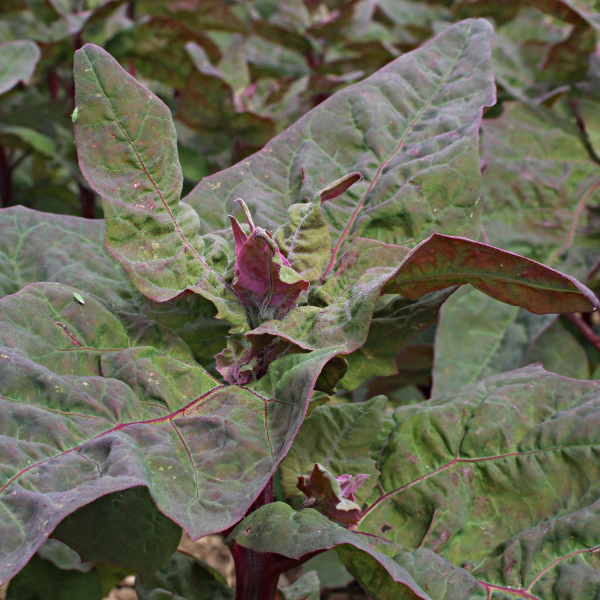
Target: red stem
{"x": 87, "y": 199}
{"x": 585, "y": 329}
{"x": 5, "y": 178}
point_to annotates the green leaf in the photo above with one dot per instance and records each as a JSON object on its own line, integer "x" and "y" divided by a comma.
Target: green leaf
{"x": 464, "y": 472}
{"x": 124, "y": 528}
{"x": 391, "y": 329}
{"x": 184, "y": 576}
{"x": 37, "y": 246}
{"x": 63, "y": 557}
{"x": 38, "y": 141}
{"x": 438, "y": 263}
{"x": 344, "y": 435}
{"x": 442, "y": 579}
{"x": 42, "y": 580}
{"x": 478, "y": 337}
{"x": 18, "y": 60}
{"x": 331, "y": 572}
{"x": 278, "y": 529}
{"x": 152, "y": 234}
{"x": 538, "y": 181}
{"x": 361, "y": 255}
{"x": 117, "y": 415}
{"x": 305, "y": 588}
{"x": 421, "y": 168}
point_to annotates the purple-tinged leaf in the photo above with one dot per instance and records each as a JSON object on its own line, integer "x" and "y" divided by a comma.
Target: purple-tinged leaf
{"x": 37, "y": 247}
{"x": 264, "y": 281}
{"x": 332, "y": 496}
{"x": 278, "y": 529}
{"x": 443, "y": 261}
{"x": 344, "y": 435}
{"x": 538, "y": 183}
{"x": 436, "y": 265}
{"x": 411, "y": 129}
{"x": 44, "y": 323}
{"x": 18, "y": 60}
{"x": 155, "y": 422}
{"x": 152, "y": 234}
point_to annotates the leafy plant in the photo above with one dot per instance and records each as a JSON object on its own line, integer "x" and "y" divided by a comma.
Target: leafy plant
{"x": 160, "y": 383}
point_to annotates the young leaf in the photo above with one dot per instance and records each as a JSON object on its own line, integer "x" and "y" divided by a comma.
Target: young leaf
{"x": 100, "y": 435}
{"x": 278, "y": 529}
{"x": 18, "y": 60}
{"x": 421, "y": 168}
{"x": 153, "y": 235}
{"x": 304, "y": 240}
{"x": 345, "y": 434}
{"x": 332, "y": 496}
{"x": 264, "y": 281}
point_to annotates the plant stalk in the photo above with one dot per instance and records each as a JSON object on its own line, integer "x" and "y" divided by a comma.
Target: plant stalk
{"x": 5, "y": 178}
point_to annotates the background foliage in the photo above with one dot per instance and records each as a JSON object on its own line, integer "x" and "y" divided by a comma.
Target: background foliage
{"x": 235, "y": 75}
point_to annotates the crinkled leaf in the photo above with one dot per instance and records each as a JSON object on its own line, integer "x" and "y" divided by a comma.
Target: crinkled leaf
{"x": 17, "y": 63}
{"x": 441, "y": 578}
{"x": 332, "y": 496}
{"x": 42, "y": 580}
{"x": 305, "y": 588}
{"x": 498, "y": 339}
{"x": 44, "y": 323}
{"x": 467, "y": 471}
{"x": 155, "y": 422}
{"x": 339, "y": 438}
{"x": 184, "y": 576}
{"x": 123, "y": 528}
{"x": 152, "y": 234}
{"x": 411, "y": 129}
{"x": 538, "y": 183}
{"x": 278, "y": 529}
{"x": 37, "y": 246}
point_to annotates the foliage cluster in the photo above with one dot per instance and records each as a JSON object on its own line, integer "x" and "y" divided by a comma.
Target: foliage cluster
{"x": 254, "y": 354}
